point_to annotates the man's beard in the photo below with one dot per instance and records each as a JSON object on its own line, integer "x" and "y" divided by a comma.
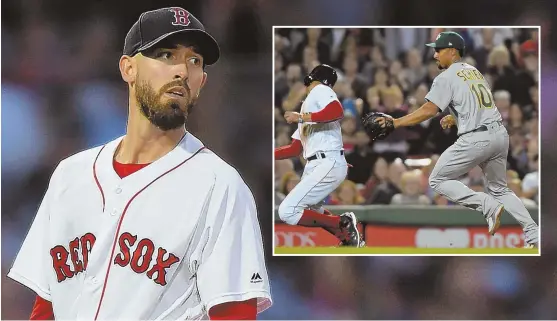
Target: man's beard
{"x": 439, "y": 66}
{"x": 164, "y": 114}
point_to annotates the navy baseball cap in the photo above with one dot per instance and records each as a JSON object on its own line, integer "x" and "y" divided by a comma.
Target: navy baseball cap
{"x": 448, "y": 39}
{"x": 154, "y": 26}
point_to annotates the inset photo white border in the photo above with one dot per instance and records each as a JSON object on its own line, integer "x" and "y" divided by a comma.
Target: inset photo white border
{"x": 353, "y": 251}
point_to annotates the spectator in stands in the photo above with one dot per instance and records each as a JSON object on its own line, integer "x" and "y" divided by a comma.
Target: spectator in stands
{"x": 412, "y": 193}
{"x": 282, "y": 47}
{"x": 283, "y": 136}
{"x": 313, "y": 42}
{"x": 469, "y": 60}
{"x": 502, "y": 99}
{"x": 518, "y": 153}
{"x": 527, "y": 76}
{"x": 432, "y": 72}
{"x": 349, "y": 49}
{"x": 399, "y": 77}
{"x": 373, "y": 100}
{"x": 279, "y": 64}
{"x": 531, "y": 110}
{"x": 287, "y": 183}
{"x": 414, "y": 71}
{"x": 361, "y": 158}
{"x": 512, "y": 174}
{"x": 516, "y": 118}
{"x": 532, "y": 151}
{"x": 533, "y": 130}
{"x": 346, "y": 194}
{"x": 495, "y": 36}
{"x": 482, "y": 50}
{"x": 418, "y": 132}
{"x": 419, "y": 94}
{"x": 380, "y": 81}
{"x": 282, "y": 167}
{"x": 336, "y": 39}
{"x": 293, "y": 100}
{"x": 530, "y": 186}
{"x": 385, "y": 191}
{"x": 347, "y": 97}
{"x": 283, "y": 84}
{"x": 341, "y": 88}
{"x": 395, "y": 145}
{"x": 309, "y": 56}
{"x": 376, "y": 60}
{"x": 378, "y": 176}
{"x": 515, "y": 185}
{"x": 501, "y": 70}
{"x": 351, "y": 135}
{"x": 356, "y": 81}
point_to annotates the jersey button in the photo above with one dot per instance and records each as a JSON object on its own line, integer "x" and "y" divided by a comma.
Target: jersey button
{"x": 118, "y": 190}
{"x": 114, "y": 212}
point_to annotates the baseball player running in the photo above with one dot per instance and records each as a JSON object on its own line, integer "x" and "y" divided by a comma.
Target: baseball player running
{"x": 152, "y": 225}
{"x": 483, "y": 140}
{"x": 319, "y": 137}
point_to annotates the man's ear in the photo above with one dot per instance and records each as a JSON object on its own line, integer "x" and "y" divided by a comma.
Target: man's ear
{"x": 202, "y": 83}
{"x": 128, "y": 68}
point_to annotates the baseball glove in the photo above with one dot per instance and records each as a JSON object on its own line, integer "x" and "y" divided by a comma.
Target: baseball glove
{"x": 373, "y": 127}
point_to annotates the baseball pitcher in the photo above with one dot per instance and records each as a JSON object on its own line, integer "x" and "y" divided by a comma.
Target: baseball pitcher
{"x": 482, "y": 139}
{"x": 319, "y": 137}
{"x": 152, "y": 225}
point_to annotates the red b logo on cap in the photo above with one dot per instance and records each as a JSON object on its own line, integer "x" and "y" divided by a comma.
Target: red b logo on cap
{"x": 181, "y": 17}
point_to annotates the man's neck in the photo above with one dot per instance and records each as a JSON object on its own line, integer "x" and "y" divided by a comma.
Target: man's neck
{"x": 144, "y": 143}
{"x": 456, "y": 60}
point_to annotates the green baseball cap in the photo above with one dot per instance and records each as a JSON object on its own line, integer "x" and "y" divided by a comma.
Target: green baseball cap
{"x": 448, "y": 39}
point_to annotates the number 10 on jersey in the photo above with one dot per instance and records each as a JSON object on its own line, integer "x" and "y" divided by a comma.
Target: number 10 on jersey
{"x": 483, "y": 95}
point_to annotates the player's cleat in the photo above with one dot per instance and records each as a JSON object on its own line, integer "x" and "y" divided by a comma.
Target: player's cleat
{"x": 349, "y": 225}
{"x": 494, "y": 221}
{"x": 531, "y": 246}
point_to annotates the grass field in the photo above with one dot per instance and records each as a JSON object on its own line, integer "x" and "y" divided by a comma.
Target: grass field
{"x": 403, "y": 251}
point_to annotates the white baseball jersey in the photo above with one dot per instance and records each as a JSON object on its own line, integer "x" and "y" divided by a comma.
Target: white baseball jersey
{"x": 319, "y": 137}
{"x": 166, "y": 242}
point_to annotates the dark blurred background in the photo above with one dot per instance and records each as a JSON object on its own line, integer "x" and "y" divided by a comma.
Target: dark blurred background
{"x": 61, "y": 93}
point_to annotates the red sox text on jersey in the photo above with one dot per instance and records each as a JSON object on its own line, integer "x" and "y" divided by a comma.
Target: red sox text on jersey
{"x": 138, "y": 256}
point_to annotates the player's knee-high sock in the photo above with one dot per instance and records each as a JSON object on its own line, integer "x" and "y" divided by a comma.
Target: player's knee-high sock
{"x": 315, "y": 219}
{"x": 336, "y": 231}
{"x": 515, "y": 207}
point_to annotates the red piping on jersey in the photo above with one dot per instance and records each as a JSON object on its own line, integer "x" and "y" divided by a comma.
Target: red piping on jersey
{"x": 95, "y": 174}
{"x": 120, "y": 224}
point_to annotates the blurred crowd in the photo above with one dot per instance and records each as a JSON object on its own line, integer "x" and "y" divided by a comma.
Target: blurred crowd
{"x": 391, "y": 70}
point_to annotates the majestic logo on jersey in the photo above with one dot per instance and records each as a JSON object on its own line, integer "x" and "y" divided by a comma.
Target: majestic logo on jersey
{"x": 256, "y": 278}
{"x": 140, "y": 257}
{"x": 78, "y": 246}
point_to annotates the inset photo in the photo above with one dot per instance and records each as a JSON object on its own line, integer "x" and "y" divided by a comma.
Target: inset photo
{"x": 406, "y": 141}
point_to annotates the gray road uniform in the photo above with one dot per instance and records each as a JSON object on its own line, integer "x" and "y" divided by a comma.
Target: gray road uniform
{"x": 482, "y": 140}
